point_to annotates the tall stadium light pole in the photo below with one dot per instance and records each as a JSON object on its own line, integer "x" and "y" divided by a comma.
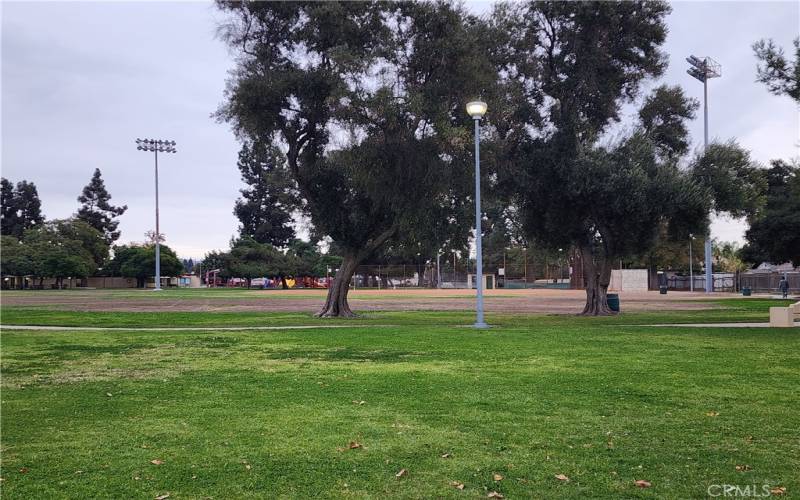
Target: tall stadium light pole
{"x": 156, "y": 146}
{"x": 476, "y": 109}
{"x": 703, "y": 69}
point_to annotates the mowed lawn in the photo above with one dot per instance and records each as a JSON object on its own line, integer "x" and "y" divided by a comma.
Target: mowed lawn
{"x": 340, "y": 412}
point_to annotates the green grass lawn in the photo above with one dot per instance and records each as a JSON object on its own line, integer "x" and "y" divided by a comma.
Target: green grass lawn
{"x": 232, "y": 414}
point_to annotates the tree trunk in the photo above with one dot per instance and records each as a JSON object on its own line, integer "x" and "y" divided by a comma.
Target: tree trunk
{"x": 284, "y": 285}
{"x": 596, "y": 278}
{"x": 336, "y": 305}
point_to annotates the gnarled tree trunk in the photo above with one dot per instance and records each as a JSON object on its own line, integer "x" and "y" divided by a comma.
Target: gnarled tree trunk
{"x": 596, "y": 278}
{"x": 336, "y": 305}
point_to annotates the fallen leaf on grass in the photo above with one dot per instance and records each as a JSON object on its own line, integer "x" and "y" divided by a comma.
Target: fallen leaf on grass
{"x": 446, "y": 455}
{"x": 401, "y": 473}
{"x": 24, "y": 470}
{"x": 109, "y": 394}
{"x": 495, "y": 494}
{"x": 247, "y": 466}
{"x": 641, "y": 483}
{"x": 354, "y": 444}
{"x": 457, "y": 485}
{"x": 743, "y": 468}
{"x": 712, "y": 414}
{"x": 562, "y": 477}
{"x": 162, "y": 497}
{"x": 356, "y": 402}
{"x": 497, "y": 477}
{"x": 778, "y": 490}
{"x": 156, "y": 461}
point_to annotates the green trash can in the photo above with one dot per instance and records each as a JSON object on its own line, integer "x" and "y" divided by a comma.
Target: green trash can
{"x": 746, "y": 291}
{"x": 613, "y": 301}
{"x": 662, "y": 290}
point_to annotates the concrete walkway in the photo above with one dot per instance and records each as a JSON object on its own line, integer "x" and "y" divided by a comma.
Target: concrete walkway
{"x": 181, "y": 329}
{"x": 719, "y": 325}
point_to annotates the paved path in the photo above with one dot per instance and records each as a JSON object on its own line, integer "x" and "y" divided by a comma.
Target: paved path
{"x": 178, "y": 328}
{"x": 720, "y": 325}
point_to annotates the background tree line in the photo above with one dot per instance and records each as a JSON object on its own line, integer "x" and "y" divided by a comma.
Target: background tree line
{"x": 80, "y": 246}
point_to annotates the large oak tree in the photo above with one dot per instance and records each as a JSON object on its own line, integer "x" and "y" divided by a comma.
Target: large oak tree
{"x": 580, "y": 62}
{"x": 366, "y": 101}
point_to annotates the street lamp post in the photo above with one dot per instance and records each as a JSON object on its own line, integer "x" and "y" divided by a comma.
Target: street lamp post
{"x": 454, "y": 268}
{"x": 156, "y": 146}
{"x": 526, "y": 266}
{"x": 702, "y": 70}
{"x": 505, "y": 270}
{"x": 476, "y": 109}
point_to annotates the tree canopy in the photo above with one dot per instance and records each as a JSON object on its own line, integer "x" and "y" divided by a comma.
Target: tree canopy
{"x": 572, "y": 185}
{"x": 778, "y": 72}
{"x": 774, "y": 233}
{"x": 265, "y": 207}
{"x": 138, "y": 261}
{"x": 56, "y": 249}
{"x": 250, "y": 259}
{"x": 97, "y": 210}
{"x": 366, "y": 99}
{"x": 21, "y": 207}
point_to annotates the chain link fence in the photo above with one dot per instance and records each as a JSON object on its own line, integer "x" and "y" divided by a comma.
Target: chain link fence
{"x": 768, "y": 282}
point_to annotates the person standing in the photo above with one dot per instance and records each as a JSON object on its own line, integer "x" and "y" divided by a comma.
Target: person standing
{"x": 783, "y": 286}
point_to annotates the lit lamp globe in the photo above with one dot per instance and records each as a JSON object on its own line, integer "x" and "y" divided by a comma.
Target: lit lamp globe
{"x": 476, "y": 109}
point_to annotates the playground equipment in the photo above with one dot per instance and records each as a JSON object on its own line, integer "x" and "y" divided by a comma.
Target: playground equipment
{"x": 213, "y": 279}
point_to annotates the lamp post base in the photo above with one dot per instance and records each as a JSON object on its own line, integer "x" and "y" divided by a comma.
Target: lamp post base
{"x": 480, "y": 326}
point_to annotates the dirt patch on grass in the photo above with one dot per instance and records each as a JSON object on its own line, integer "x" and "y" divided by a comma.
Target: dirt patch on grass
{"x": 503, "y": 301}
{"x": 162, "y": 361}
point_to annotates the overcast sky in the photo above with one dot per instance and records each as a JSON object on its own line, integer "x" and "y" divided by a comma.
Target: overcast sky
{"x": 81, "y": 81}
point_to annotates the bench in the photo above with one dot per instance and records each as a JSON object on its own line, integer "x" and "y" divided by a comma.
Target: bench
{"x": 783, "y": 317}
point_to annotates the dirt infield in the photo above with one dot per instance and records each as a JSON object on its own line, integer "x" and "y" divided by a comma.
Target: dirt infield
{"x": 511, "y": 301}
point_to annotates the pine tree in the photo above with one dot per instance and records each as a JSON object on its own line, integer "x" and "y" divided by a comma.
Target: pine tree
{"x": 265, "y": 207}
{"x": 96, "y": 209}
{"x": 21, "y": 208}
{"x": 8, "y": 216}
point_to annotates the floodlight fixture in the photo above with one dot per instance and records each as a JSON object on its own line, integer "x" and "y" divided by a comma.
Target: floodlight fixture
{"x": 476, "y": 109}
